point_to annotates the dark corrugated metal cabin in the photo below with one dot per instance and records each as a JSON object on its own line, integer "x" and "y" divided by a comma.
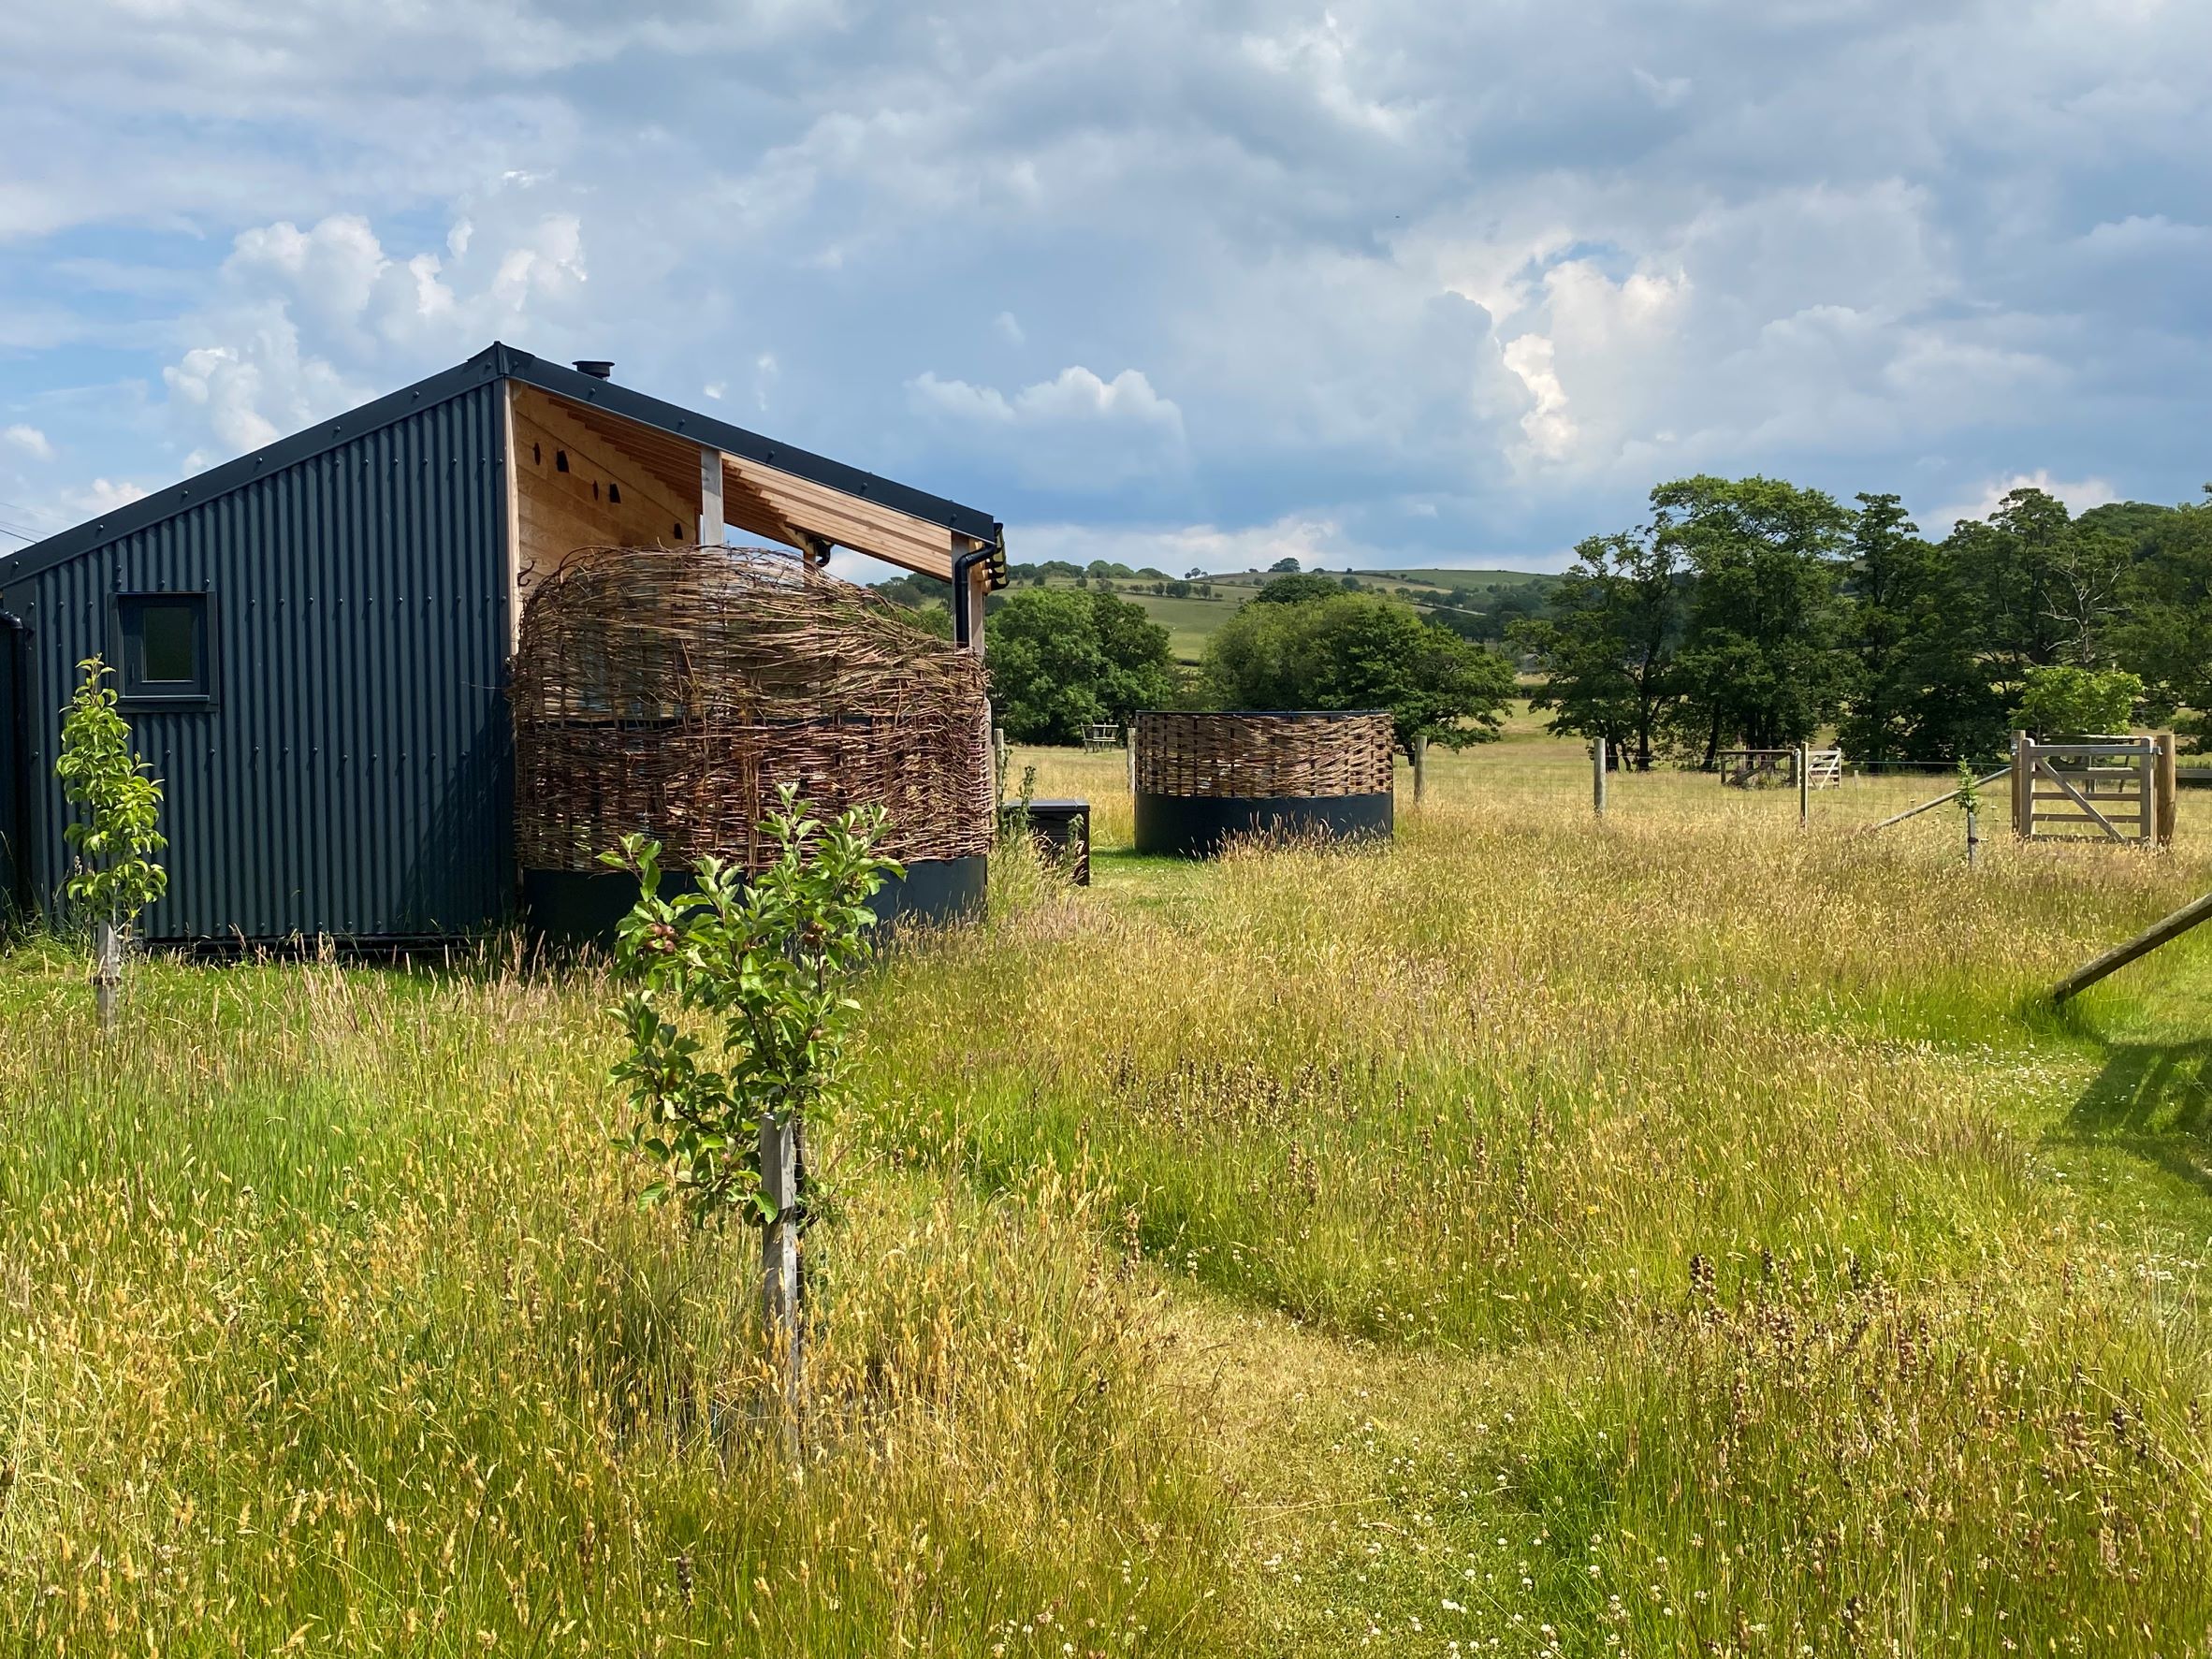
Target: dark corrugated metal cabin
{"x": 313, "y": 641}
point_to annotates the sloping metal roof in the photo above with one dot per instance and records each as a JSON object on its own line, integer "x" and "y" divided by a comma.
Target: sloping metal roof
{"x": 498, "y": 362}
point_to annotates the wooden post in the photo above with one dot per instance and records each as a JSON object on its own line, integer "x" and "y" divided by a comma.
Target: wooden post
{"x": 978, "y": 591}
{"x": 2147, "y": 792}
{"x": 1597, "y": 776}
{"x": 107, "y": 969}
{"x": 2023, "y": 786}
{"x": 2149, "y": 940}
{"x": 2169, "y": 784}
{"x": 781, "y": 1315}
{"x": 1129, "y": 739}
{"x": 1421, "y": 768}
{"x": 710, "y": 498}
{"x": 1973, "y": 836}
{"x": 1804, "y": 785}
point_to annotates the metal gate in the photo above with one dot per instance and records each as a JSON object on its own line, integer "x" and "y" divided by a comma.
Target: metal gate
{"x": 2097, "y": 789}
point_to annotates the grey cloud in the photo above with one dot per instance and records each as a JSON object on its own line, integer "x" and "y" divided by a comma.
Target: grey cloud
{"x": 1504, "y": 264}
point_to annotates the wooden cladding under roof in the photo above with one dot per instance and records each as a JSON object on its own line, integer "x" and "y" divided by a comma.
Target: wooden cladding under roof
{"x": 757, "y": 497}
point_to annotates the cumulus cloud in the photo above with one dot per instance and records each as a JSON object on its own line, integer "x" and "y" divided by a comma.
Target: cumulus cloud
{"x": 30, "y": 440}
{"x": 309, "y": 323}
{"x": 2079, "y": 494}
{"x": 1374, "y": 280}
{"x": 1075, "y": 394}
{"x": 1076, "y": 432}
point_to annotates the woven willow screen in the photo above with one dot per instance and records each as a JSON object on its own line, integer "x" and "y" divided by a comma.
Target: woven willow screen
{"x": 671, "y": 690}
{"x": 1261, "y": 756}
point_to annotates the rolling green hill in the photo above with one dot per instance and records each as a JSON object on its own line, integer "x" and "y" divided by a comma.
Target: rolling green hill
{"x": 1191, "y": 617}
{"x": 1189, "y": 622}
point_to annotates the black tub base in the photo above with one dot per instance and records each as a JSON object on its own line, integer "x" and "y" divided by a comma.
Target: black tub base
{"x": 565, "y": 908}
{"x": 1195, "y": 827}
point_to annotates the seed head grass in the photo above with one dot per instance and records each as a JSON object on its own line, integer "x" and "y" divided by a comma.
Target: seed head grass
{"x": 1679, "y": 1233}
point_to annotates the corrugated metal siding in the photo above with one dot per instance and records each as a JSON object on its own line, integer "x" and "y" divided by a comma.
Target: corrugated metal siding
{"x": 12, "y": 759}
{"x": 353, "y": 777}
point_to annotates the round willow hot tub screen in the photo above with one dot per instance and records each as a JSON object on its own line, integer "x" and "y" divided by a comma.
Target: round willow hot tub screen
{"x": 670, "y": 692}
{"x": 1205, "y": 777}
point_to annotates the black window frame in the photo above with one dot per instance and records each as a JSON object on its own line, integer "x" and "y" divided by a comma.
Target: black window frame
{"x": 128, "y": 648}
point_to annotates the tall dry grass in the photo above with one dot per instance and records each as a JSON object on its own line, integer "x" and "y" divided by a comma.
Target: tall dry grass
{"x": 1681, "y": 1234}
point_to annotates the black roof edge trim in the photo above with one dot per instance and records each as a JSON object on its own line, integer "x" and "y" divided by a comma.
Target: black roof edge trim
{"x": 500, "y": 361}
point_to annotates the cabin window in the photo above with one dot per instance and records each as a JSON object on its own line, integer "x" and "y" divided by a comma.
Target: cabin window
{"x": 165, "y": 646}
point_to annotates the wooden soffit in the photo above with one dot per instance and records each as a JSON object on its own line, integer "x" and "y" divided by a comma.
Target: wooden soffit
{"x": 764, "y": 501}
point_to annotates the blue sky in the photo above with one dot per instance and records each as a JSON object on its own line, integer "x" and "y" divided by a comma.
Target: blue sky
{"x": 1185, "y": 284}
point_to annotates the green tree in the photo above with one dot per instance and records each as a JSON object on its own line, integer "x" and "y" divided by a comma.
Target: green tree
{"x": 1059, "y": 660}
{"x": 1284, "y": 566}
{"x": 1918, "y": 687}
{"x": 2044, "y": 588}
{"x": 1759, "y": 664}
{"x": 766, "y": 966}
{"x": 1354, "y": 651}
{"x": 1607, "y": 646}
{"x": 113, "y": 830}
{"x": 1296, "y": 587}
{"x": 2165, "y": 632}
{"x": 2066, "y": 701}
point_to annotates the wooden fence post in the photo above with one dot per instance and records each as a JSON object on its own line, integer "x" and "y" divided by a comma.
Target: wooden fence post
{"x": 781, "y": 1311}
{"x": 2169, "y": 782}
{"x": 2146, "y": 802}
{"x": 1973, "y": 836}
{"x": 1421, "y": 768}
{"x": 2023, "y": 786}
{"x": 1597, "y": 776}
{"x": 2149, "y": 940}
{"x": 1804, "y": 785}
{"x": 1128, "y": 738}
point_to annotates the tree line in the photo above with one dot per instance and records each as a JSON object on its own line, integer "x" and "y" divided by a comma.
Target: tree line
{"x": 1061, "y": 659}
{"x": 1756, "y": 613}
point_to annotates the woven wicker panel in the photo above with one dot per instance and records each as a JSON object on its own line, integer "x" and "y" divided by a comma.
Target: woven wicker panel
{"x": 671, "y": 690}
{"x": 1256, "y": 756}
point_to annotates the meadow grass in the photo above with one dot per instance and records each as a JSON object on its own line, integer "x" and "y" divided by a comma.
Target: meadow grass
{"x": 1685, "y": 1233}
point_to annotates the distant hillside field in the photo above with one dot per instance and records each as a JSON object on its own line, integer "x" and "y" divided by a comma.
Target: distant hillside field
{"x": 1191, "y": 621}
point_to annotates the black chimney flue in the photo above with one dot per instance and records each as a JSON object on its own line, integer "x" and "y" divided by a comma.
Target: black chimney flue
{"x": 597, "y": 367}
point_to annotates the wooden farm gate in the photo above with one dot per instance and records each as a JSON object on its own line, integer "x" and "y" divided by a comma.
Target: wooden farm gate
{"x": 1101, "y": 735}
{"x": 1824, "y": 768}
{"x": 2111, "y": 788}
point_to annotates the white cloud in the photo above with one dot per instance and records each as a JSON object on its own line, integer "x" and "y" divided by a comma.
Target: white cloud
{"x": 1074, "y": 431}
{"x": 309, "y": 323}
{"x": 1075, "y": 394}
{"x": 1368, "y": 254}
{"x": 1667, "y": 92}
{"x": 30, "y": 440}
{"x": 1550, "y": 430}
{"x": 2079, "y": 495}
{"x": 100, "y": 496}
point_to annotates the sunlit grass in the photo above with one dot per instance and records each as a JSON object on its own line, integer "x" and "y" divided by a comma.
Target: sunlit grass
{"x": 1680, "y": 1233}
